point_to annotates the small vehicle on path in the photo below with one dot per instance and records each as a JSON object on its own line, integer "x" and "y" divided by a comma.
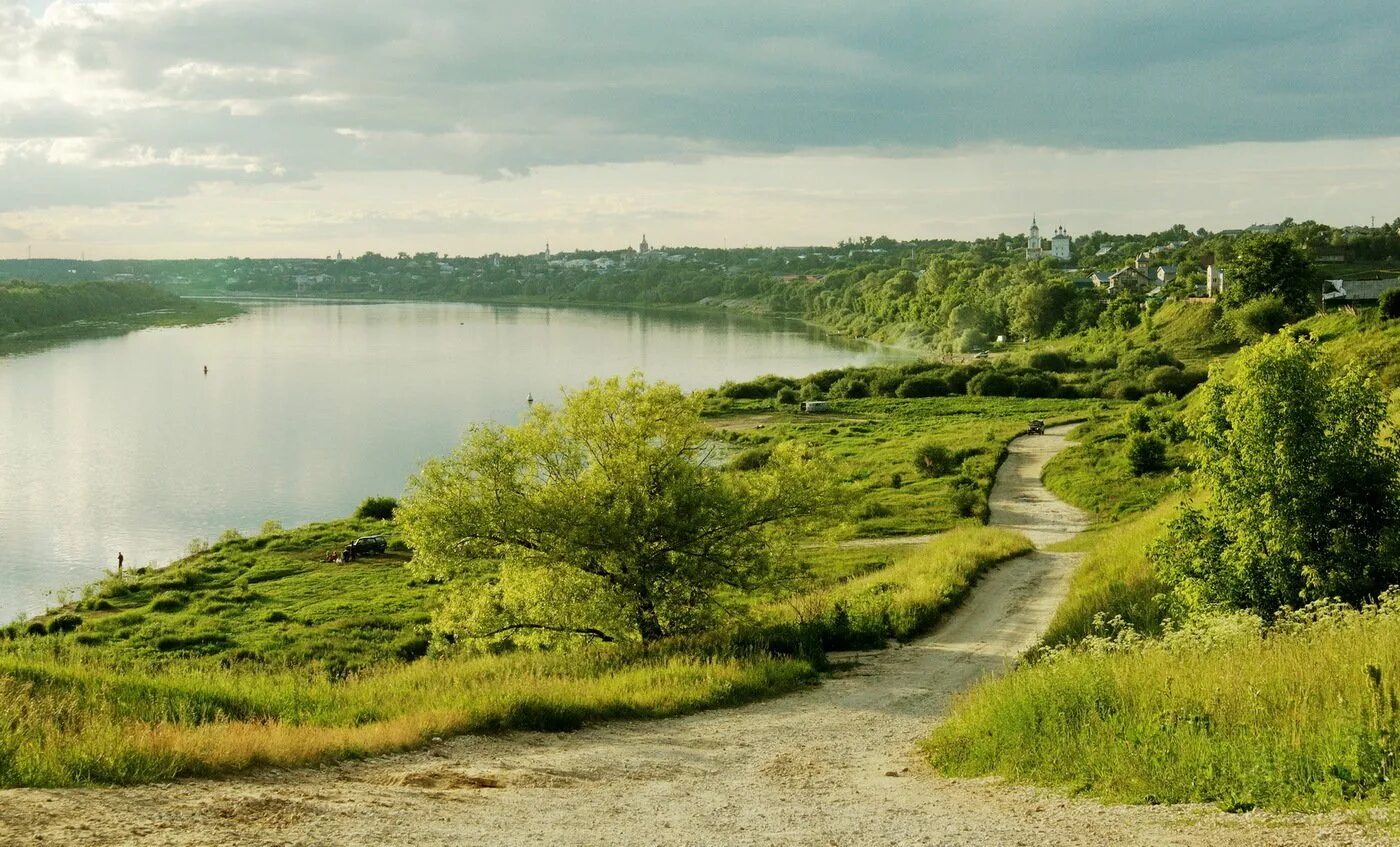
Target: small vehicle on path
{"x": 1037, "y": 427}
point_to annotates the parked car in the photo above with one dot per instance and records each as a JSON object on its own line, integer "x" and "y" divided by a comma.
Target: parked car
{"x": 1037, "y": 427}
{"x": 369, "y": 545}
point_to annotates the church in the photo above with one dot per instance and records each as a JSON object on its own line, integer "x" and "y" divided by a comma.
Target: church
{"x": 1059, "y": 244}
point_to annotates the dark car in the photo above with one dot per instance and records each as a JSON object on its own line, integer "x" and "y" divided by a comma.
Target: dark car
{"x": 1037, "y": 427}
{"x": 369, "y": 545}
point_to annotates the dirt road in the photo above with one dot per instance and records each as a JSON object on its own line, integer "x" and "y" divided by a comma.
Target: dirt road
{"x": 834, "y": 765}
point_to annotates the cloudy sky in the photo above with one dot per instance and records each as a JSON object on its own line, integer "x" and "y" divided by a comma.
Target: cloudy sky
{"x": 269, "y": 127}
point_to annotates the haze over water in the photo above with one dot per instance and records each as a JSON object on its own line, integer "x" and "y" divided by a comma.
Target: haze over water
{"x": 123, "y": 444}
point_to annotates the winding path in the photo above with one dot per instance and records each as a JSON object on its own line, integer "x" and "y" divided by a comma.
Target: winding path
{"x": 833, "y": 765}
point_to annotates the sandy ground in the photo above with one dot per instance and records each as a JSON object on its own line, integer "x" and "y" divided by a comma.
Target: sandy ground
{"x": 833, "y": 765}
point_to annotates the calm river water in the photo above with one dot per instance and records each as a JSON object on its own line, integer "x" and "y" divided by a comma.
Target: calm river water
{"x": 124, "y": 444}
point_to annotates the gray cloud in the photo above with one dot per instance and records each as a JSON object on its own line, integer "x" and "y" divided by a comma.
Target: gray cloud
{"x": 495, "y": 87}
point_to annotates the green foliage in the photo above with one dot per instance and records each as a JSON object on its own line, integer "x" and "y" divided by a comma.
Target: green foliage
{"x": 1259, "y": 318}
{"x": 1095, "y": 475}
{"x": 1302, "y": 485}
{"x": 922, "y": 385}
{"x": 751, "y": 459}
{"x": 1176, "y": 381}
{"x": 270, "y": 527}
{"x": 934, "y": 460}
{"x": 787, "y": 395}
{"x": 377, "y": 508}
{"x": 1301, "y": 716}
{"x": 1390, "y": 304}
{"x": 604, "y": 518}
{"x": 849, "y": 388}
{"x": 1271, "y": 265}
{"x": 991, "y": 383}
{"x": 1146, "y": 453}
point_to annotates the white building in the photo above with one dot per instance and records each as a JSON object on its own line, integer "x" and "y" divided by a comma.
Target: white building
{"x": 1059, "y": 244}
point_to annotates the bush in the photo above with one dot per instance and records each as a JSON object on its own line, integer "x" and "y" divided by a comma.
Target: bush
{"x": 751, "y": 459}
{"x": 809, "y": 391}
{"x": 896, "y": 480}
{"x": 850, "y": 388}
{"x": 1146, "y": 358}
{"x": 66, "y": 622}
{"x": 754, "y": 390}
{"x": 1146, "y": 453}
{"x": 1051, "y": 360}
{"x": 1258, "y": 318}
{"x": 36, "y": 628}
{"x": 1136, "y": 420}
{"x": 270, "y": 527}
{"x": 934, "y": 460}
{"x": 229, "y": 535}
{"x": 991, "y": 384}
{"x": 1036, "y": 385}
{"x": 967, "y": 502}
{"x": 1390, "y": 304}
{"x": 922, "y": 386}
{"x": 1174, "y": 381}
{"x": 377, "y": 508}
{"x": 788, "y": 395}
{"x": 196, "y": 546}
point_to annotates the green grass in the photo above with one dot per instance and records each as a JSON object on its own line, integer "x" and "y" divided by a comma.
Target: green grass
{"x": 268, "y": 600}
{"x": 1298, "y": 717}
{"x": 111, "y": 712}
{"x": 1115, "y": 580}
{"x": 875, "y": 439}
{"x": 1095, "y": 476}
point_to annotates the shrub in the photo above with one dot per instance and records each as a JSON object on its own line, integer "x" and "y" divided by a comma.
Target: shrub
{"x": 1036, "y": 385}
{"x": 788, "y": 395}
{"x": 922, "y": 386}
{"x": 991, "y": 384}
{"x": 229, "y": 535}
{"x": 934, "y": 460}
{"x": 754, "y": 390}
{"x": 377, "y": 508}
{"x": 270, "y": 527}
{"x": 1258, "y": 318}
{"x": 411, "y": 647}
{"x": 1390, "y": 304}
{"x": 850, "y": 388}
{"x": 36, "y": 628}
{"x": 1146, "y": 358}
{"x": 1136, "y": 420}
{"x": 1146, "y": 453}
{"x": 1175, "y": 381}
{"x": 1051, "y": 360}
{"x": 751, "y": 459}
{"x": 967, "y": 502}
{"x": 66, "y": 622}
{"x": 809, "y": 391}
{"x": 276, "y": 616}
{"x": 896, "y": 480}
{"x": 887, "y": 384}
{"x": 196, "y": 546}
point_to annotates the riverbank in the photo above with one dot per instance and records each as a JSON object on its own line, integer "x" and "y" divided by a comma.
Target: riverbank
{"x": 188, "y": 312}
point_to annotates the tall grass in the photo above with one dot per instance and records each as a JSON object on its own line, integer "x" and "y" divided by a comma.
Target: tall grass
{"x": 72, "y": 715}
{"x": 1304, "y": 715}
{"x": 1115, "y": 582}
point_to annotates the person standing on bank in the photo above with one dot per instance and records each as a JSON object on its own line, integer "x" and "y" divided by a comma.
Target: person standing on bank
{"x": 120, "y": 560}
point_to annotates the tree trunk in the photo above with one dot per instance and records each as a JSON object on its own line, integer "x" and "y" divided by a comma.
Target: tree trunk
{"x": 648, "y": 624}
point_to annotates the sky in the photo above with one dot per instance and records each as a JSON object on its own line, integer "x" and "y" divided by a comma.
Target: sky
{"x": 174, "y": 128}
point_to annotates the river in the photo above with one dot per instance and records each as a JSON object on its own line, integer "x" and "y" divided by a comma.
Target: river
{"x": 125, "y": 444}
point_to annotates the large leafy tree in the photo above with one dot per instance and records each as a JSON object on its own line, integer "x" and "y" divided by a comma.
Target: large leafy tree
{"x": 1270, "y": 265}
{"x": 607, "y": 518}
{"x": 1301, "y": 480}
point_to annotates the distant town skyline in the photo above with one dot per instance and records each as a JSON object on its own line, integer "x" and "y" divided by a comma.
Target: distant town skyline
{"x": 198, "y": 128}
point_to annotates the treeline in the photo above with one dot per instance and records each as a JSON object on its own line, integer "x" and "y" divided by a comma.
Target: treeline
{"x": 1129, "y": 375}
{"x": 26, "y": 307}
